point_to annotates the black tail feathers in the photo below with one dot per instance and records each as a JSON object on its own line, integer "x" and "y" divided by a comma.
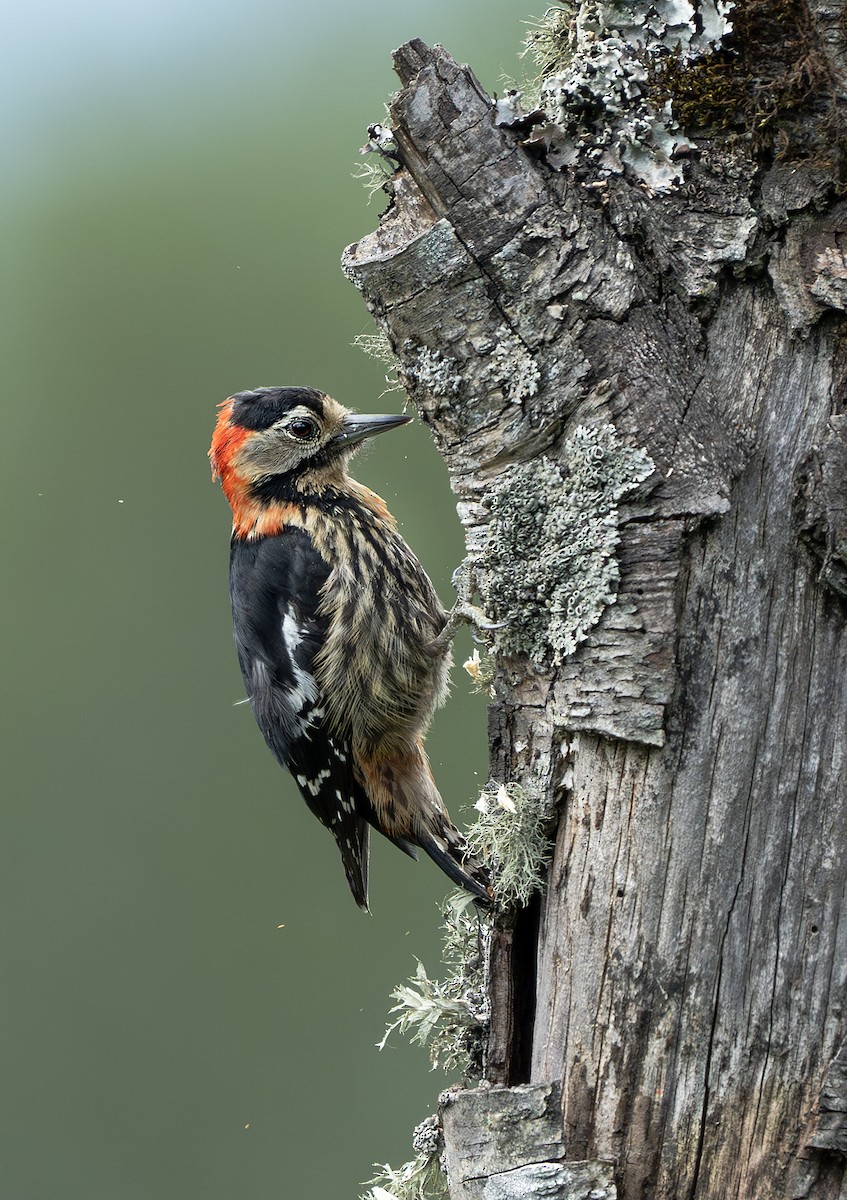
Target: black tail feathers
{"x": 354, "y": 844}
{"x": 453, "y": 855}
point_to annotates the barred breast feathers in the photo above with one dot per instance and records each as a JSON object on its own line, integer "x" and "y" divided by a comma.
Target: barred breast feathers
{"x": 378, "y": 668}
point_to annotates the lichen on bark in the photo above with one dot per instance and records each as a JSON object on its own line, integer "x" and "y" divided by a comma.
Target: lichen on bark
{"x": 549, "y": 566}
{"x": 598, "y": 60}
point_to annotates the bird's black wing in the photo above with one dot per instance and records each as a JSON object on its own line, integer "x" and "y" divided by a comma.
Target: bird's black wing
{"x": 275, "y": 586}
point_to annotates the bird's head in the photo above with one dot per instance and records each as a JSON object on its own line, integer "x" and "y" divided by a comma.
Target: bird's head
{"x": 278, "y": 444}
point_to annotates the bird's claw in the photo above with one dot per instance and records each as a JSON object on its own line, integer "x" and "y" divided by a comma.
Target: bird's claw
{"x": 465, "y": 613}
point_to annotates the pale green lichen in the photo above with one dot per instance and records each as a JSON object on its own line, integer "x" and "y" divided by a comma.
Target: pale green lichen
{"x": 448, "y": 1016}
{"x": 481, "y": 671}
{"x": 424, "y": 1178}
{"x": 511, "y": 836}
{"x": 375, "y": 176}
{"x": 375, "y": 345}
{"x": 550, "y": 564}
{"x": 512, "y": 367}
{"x": 550, "y": 40}
{"x": 434, "y": 371}
{"x": 377, "y": 173}
{"x": 597, "y": 58}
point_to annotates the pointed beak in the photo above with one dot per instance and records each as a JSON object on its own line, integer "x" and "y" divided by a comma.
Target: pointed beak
{"x": 358, "y": 426}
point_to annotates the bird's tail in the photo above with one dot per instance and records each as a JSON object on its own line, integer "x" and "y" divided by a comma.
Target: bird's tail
{"x": 407, "y": 807}
{"x": 355, "y": 851}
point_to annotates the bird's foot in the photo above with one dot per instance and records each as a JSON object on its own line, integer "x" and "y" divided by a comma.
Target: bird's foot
{"x": 465, "y": 613}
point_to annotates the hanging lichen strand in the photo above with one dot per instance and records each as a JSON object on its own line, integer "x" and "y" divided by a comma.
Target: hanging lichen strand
{"x": 568, "y": 513}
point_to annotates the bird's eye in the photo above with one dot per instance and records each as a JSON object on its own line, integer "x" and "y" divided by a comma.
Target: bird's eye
{"x": 302, "y": 428}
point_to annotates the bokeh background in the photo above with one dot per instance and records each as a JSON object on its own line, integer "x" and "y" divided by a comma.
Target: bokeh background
{"x": 189, "y": 999}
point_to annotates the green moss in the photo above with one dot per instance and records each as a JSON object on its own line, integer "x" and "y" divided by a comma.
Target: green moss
{"x": 769, "y": 72}
{"x": 550, "y": 561}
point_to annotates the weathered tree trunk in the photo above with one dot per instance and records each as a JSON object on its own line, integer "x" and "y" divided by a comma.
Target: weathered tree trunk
{"x": 691, "y": 949}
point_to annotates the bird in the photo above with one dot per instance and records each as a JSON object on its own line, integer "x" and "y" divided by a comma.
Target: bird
{"x": 342, "y": 641}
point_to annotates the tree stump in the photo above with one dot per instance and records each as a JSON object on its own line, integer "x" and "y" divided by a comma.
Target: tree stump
{"x": 682, "y": 983}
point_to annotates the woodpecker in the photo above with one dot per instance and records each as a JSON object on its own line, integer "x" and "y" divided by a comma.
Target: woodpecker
{"x": 340, "y": 635}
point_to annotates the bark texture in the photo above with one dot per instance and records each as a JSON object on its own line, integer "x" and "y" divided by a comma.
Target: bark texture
{"x": 507, "y": 1144}
{"x": 692, "y": 943}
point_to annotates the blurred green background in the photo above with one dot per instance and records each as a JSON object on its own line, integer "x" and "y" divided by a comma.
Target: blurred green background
{"x": 177, "y": 191}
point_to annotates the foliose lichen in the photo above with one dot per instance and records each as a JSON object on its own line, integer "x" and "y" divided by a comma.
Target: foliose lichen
{"x": 427, "y": 1138}
{"x": 596, "y": 60}
{"x": 434, "y": 371}
{"x": 512, "y": 367}
{"x": 550, "y": 565}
